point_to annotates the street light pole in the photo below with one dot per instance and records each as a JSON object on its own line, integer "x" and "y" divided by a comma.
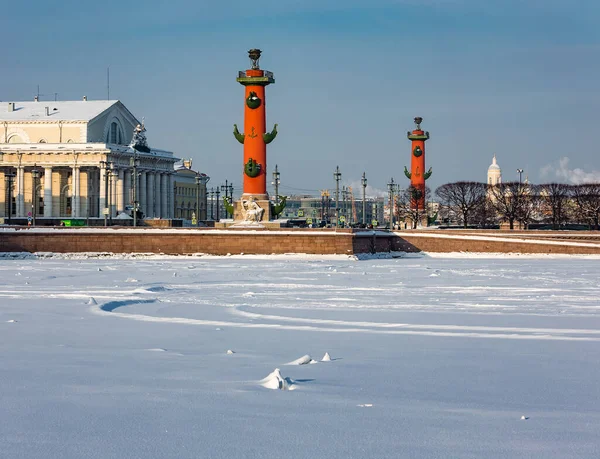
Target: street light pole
{"x": 344, "y": 208}
{"x": 110, "y": 191}
{"x": 218, "y": 192}
{"x": 9, "y": 177}
{"x": 276, "y": 182}
{"x": 197, "y": 199}
{"x": 364, "y": 203}
{"x": 392, "y": 188}
{"x": 337, "y": 175}
{"x": 226, "y": 188}
{"x": 203, "y": 180}
{"x": 35, "y": 174}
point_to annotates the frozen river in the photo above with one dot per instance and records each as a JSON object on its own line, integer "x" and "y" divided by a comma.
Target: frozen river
{"x": 430, "y": 357}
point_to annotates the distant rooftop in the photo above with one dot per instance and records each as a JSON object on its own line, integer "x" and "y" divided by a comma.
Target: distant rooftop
{"x": 71, "y": 110}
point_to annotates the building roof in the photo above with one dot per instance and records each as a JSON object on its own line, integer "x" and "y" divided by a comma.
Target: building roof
{"x": 71, "y": 110}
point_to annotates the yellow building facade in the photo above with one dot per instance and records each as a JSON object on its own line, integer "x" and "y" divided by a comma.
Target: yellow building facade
{"x": 72, "y": 159}
{"x": 190, "y": 192}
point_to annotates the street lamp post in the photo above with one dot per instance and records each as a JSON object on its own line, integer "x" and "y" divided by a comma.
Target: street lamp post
{"x": 276, "y": 182}
{"x": 344, "y": 207}
{"x": 103, "y": 166}
{"x": 9, "y": 178}
{"x": 110, "y": 174}
{"x": 364, "y": 203}
{"x": 228, "y": 190}
{"x": 201, "y": 181}
{"x": 392, "y": 189}
{"x": 337, "y": 175}
{"x": 106, "y": 165}
{"x": 217, "y": 193}
{"x": 35, "y": 175}
{"x": 197, "y": 198}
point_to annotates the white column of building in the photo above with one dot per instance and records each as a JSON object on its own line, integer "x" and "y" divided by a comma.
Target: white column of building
{"x": 48, "y": 192}
{"x": 164, "y": 191}
{"x": 101, "y": 187}
{"x": 171, "y": 195}
{"x": 76, "y": 211}
{"x": 157, "y": 195}
{"x": 150, "y": 194}
{"x": 112, "y": 191}
{"x": 20, "y": 191}
{"x": 86, "y": 205}
{"x": 127, "y": 187}
{"x": 119, "y": 191}
{"x": 142, "y": 194}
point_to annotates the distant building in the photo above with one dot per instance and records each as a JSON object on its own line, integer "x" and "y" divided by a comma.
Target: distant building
{"x": 189, "y": 189}
{"x": 494, "y": 175}
{"x": 321, "y": 209}
{"x": 74, "y": 159}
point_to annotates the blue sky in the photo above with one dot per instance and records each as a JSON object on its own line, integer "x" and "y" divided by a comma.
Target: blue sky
{"x": 515, "y": 78}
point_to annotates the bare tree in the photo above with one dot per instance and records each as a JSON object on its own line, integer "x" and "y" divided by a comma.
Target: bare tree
{"x": 555, "y": 199}
{"x": 587, "y": 199}
{"x": 485, "y": 215}
{"x": 407, "y": 204}
{"x": 512, "y": 201}
{"x": 465, "y": 197}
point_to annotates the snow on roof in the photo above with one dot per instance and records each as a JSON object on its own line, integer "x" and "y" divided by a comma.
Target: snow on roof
{"x": 71, "y": 110}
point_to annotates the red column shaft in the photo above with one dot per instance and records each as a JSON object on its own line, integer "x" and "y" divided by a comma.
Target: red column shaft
{"x": 254, "y": 144}
{"x": 417, "y": 168}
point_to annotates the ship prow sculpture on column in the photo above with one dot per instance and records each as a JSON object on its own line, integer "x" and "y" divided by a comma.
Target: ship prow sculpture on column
{"x": 254, "y": 207}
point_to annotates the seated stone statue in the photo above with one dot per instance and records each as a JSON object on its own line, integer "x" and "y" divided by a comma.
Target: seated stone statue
{"x": 251, "y": 210}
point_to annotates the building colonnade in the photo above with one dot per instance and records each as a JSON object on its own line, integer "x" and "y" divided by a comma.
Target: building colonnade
{"x": 81, "y": 190}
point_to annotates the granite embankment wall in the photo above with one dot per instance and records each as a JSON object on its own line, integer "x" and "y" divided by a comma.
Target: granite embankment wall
{"x": 183, "y": 241}
{"x": 222, "y": 242}
{"x": 550, "y": 242}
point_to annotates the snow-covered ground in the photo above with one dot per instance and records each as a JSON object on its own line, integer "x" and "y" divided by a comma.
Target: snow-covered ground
{"x": 184, "y": 357}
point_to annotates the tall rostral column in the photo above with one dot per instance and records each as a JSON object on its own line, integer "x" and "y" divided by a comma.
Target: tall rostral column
{"x": 255, "y": 140}
{"x": 417, "y": 174}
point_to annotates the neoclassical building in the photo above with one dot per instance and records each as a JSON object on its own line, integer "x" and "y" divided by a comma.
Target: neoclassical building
{"x": 73, "y": 159}
{"x": 494, "y": 175}
{"x": 189, "y": 188}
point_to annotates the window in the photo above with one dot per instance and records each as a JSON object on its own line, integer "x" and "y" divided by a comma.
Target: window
{"x": 113, "y": 132}
{"x": 15, "y": 139}
{"x": 42, "y": 141}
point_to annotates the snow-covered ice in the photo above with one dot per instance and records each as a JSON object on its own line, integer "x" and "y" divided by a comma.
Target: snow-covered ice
{"x": 115, "y": 356}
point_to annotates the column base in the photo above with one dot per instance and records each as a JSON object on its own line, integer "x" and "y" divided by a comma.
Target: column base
{"x": 252, "y": 210}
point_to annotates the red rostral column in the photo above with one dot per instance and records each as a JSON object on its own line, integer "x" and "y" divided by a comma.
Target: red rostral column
{"x": 255, "y": 138}
{"x": 417, "y": 174}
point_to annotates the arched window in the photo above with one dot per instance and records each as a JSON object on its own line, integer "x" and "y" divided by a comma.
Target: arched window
{"x": 70, "y": 141}
{"x": 42, "y": 141}
{"x": 15, "y": 138}
{"x": 115, "y": 133}
{"x": 114, "y": 129}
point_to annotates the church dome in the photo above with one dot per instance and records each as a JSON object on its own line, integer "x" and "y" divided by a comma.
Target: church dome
{"x": 494, "y": 175}
{"x": 494, "y": 166}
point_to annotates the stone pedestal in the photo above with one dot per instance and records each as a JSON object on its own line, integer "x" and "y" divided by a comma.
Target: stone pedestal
{"x": 251, "y": 210}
